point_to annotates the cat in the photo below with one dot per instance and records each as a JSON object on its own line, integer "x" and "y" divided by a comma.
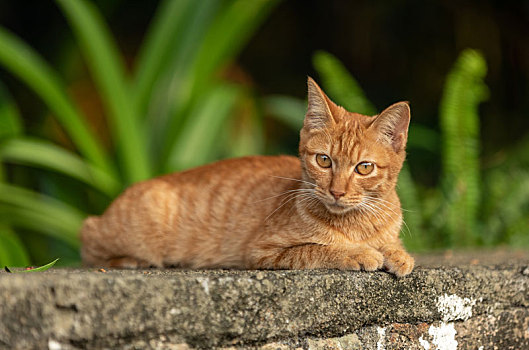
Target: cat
{"x": 333, "y": 207}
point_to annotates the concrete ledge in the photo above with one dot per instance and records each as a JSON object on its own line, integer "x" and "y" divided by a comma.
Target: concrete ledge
{"x": 469, "y": 307}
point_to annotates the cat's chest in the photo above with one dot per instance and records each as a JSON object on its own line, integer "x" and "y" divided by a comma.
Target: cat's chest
{"x": 351, "y": 233}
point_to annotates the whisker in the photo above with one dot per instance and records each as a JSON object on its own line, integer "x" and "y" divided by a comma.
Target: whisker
{"x": 388, "y": 202}
{"x": 364, "y": 209}
{"x": 370, "y": 209}
{"x": 374, "y": 202}
{"x": 292, "y": 196}
{"x": 292, "y": 179}
{"x": 282, "y": 193}
{"x": 306, "y": 199}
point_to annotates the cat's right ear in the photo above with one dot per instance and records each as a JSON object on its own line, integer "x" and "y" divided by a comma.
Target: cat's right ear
{"x": 392, "y": 125}
{"x": 319, "y": 115}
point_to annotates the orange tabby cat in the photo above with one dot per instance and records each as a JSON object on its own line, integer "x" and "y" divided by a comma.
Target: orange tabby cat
{"x": 334, "y": 207}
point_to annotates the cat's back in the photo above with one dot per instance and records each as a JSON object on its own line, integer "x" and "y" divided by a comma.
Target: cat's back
{"x": 247, "y": 168}
{"x": 203, "y": 190}
{"x": 200, "y": 217}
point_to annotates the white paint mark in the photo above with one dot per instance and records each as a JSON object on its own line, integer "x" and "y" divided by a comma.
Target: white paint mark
{"x": 424, "y": 343}
{"x": 454, "y": 308}
{"x": 481, "y": 347}
{"x": 381, "y": 338}
{"x": 173, "y": 311}
{"x": 444, "y": 336}
{"x": 53, "y": 345}
{"x": 205, "y": 284}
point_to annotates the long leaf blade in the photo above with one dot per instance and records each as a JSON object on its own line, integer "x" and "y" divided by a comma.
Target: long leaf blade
{"x": 164, "y": 33}
{"x": 108, "y": 71}
{"x": 23, "y": 62}
{"x": 289, "y": 110}
{"x": 10, "y": 120}
{"x": 202, "y": 128}
{"x": 27, "y": 209}
{"x": 339, "y": 84}
{"x": 226, "y": 37}
{"x": 44, "y": 154}
{"x": 12, "y": 251}
{"x": 171, "y": 98}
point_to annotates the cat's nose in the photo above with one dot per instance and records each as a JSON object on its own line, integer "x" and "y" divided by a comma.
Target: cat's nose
{"x": 337, "y": 194}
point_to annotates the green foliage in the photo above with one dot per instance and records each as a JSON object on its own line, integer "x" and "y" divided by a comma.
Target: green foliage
{"x": 12, "y": 251}
{"x": 167, "y": 115}
{"x": 340, "y": 84}
{"x": 459, "y": 118}
{"x": 171, "y": 113}
{"x": 29, "y": 67}
{"x": 107, "y": 68}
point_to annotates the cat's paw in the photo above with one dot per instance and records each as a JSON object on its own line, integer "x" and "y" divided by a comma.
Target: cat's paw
{"x": 398, "y": 262}
{"x": 366, "y": 259}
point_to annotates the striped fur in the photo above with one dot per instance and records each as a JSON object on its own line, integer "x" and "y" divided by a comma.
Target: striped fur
{"x": 270, "y": 212}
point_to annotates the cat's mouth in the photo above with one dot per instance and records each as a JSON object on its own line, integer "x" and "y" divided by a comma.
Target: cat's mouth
{"x": 337, "y": 207}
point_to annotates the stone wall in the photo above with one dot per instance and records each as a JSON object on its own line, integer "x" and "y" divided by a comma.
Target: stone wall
{"x": 467, "y": 307}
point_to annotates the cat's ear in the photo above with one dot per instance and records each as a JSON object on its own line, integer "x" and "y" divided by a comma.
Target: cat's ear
{"x": 319, "y": 115}
{"x": 392, "y": 125}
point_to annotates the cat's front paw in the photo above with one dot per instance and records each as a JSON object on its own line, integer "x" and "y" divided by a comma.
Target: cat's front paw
{"x": 365, "y": 259}
{"x": 398, "y": 262}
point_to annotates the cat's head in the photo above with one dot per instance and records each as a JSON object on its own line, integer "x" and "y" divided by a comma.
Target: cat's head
{"x": 351, "y": 158}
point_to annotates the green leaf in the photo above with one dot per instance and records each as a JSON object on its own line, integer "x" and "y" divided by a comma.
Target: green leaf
{"x": 27, "y": 209}
{"x": 12, "y": 251}
{"x": 44, "y": 154}
{"x": 201, "y": 129}
{"x": 10, "y": 121}
{"x": 107, "y": 68}
{"x": 226, "y": 37}
{"x": 194, "y": 73}
{"x": 22, "y": 61}
{"x": 289, "y": 110}
{"x": 506, "y": 204}
{"x": 169, "y": 101}
{"x": 413, "y": 235}
{"x": 163, "y": 37}
{"x": 245, "y": 134}
{"x": 341, "y": 87}
{"x": 420, "y": 136}
{"x": 37, "y": 269}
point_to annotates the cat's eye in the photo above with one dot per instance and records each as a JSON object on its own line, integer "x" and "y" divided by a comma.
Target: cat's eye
{"x": 323, "y": 160}
{"x": 365, "y": 168}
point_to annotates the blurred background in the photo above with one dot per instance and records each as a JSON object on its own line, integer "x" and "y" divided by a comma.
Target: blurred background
{"x": 96, "y": 95}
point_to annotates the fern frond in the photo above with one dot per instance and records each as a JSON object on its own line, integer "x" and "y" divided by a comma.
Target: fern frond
{"x": 463, "y": 92}
{"x": 507, "y": 205}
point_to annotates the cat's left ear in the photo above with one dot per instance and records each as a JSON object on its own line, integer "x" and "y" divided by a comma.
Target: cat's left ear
{"x": 392, "y": 125}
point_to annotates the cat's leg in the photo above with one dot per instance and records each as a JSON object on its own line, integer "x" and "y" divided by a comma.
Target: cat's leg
{"x": 311, "y": 256}
{"x": 397, "y": 260}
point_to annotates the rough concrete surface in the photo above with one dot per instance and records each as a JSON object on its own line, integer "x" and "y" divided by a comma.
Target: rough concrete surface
{"x": 471, "y": 306}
